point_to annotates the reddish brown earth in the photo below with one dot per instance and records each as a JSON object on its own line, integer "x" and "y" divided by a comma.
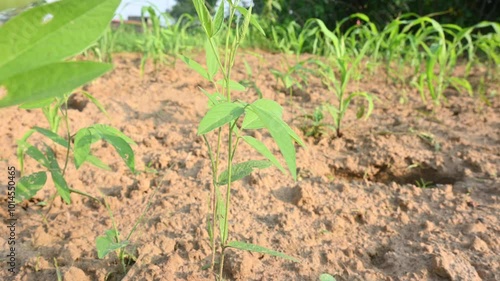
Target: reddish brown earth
{"x": 355, "y": 212}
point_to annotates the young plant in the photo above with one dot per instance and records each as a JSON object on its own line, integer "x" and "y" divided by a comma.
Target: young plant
{"x": 314, "y": 125}
{"x": 153, "y": 44}
{"x": 222, "y": 120}
{"x": 112, "y": 241}
{"x": 338, "y": 87}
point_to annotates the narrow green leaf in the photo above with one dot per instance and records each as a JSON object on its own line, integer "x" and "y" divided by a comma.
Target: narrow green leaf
{"x": 233, "y": 85}
{"x": 59, "y": 181}
{"x": 262, "y": 149}
{"x": 220, "y": 115}
{"x": 53, "y": 136}
{"x": 196, "y": 67}
{"x": 212, "y": 63}
{"x": 28, "y": 186}
{"x": 259, "y": 249}
{"x": 242, "y": 170}
{"x": 204, "y": 15}
{"x": 49, "y": 81}
{"x": 219, "y": 18}
{"x": 96, "y": 102}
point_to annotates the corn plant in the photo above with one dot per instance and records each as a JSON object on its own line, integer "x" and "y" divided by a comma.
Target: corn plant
{"x": 153, "y": 44}
{"x": 338, "y": 87}
{"x": 222, "y": 119}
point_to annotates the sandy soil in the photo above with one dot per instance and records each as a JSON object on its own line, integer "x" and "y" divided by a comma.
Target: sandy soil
{"x": 356, "y": 211}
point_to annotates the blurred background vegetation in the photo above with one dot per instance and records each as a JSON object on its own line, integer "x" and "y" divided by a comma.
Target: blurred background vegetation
{"x": 381, "y": 12}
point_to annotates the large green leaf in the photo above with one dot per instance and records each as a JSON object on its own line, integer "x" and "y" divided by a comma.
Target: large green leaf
{"x": 51, "y": 33}
{"x": 220, "y": 115}
{"x": 28, "y": 186}
{"x": 242, "y": 170}
{"x": 282, "y": 134}
{"x": 49, "y": 81}
{"x": 259, "y": 249}
{"x": 262, "y": 149}
{"x": 252, "y": 121}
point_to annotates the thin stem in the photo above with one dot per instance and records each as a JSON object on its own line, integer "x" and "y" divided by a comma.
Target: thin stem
{"x": 66, "y": 121}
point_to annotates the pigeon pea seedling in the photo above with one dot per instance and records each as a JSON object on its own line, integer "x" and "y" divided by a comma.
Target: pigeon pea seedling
{"x": 222, "y": 120}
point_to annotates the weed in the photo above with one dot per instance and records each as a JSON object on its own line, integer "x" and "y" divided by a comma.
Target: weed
{"x": 314, "y": 126}
{"x": 422, "y": 183}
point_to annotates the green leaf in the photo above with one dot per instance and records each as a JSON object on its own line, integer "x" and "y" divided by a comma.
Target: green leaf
{"x": 123, "y": 149}
{"x": 46, "y": 34}
{"x": 219, "y": 18}
{"x": 204, "y": 15}
{"x": 252, "y": 121}
{"x": 34, "y": 153}
{"x": 37, "y": 104}
{"x": 20, "y": 151}
{"x": 252, "y": 19}
{"x": 196, "y": 67}
{"x": 326, "y": 277}
{"x": 108, "y": 130}
{"x": 233, "y": 85}
{"x": 97, "y": 162}
{"x": 282, "y": 135}
{"x": 259, "y": 249}
{"x": 59, "y": 181}
{"x": 242, "y": 170}
{"x": 212, "y": 63}
{"x": 81, "y": 148}
{"x": 53, "y": 136}
{"x": 214, "y": 98}
{"x": 96, "y": 102}
{"x": 262, "y": 149}
{"x": 107, "y": 244}
{"x": 28, "y": 186}
{"x": 220, "y": 115}
{"x": 49, "y": 81}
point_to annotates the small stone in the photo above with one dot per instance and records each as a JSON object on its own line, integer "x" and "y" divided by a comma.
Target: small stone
{"x": 75, "y": 273}
{"x": 479, "y": 245}
{"x": 453, "y": 266}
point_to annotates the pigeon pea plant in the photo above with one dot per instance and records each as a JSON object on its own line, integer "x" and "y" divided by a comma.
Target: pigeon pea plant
{"x": 222, "y": 119}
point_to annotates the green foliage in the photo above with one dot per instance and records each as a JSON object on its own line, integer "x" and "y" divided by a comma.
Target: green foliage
{"x": 222, "y": 119}
{"x": 30, "y": 65}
